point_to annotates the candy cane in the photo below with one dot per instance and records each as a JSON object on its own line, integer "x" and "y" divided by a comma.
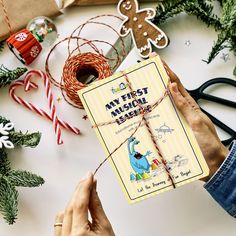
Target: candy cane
{"x": 27, "y": 84}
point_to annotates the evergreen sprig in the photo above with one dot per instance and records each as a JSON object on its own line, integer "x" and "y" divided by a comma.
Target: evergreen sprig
{"x": 203, "y": 10}
{"x": 10, "y": 179}
{"x": 26, "y": 140}
{"x": 8, "y": 76}
{"x": 22, "y": 178}
{"x": 8, "y": 200}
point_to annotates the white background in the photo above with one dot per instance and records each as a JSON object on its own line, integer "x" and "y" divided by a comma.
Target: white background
{"x": 189, "y": 210}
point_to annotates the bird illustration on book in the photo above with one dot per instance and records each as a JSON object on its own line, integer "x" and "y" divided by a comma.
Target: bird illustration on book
{"x": 138, "y": 161}
{"x": 143, "y": 31}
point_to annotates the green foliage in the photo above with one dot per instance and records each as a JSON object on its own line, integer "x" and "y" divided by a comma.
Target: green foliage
{"x": 20, "y": 178}
{"x": 8, "y": 201}
{"x": 26, "y": 140}
{"x": 10, "y": 179}
{"x": 4, "y": 163}
{"x": 203, "y": 10}
{"x": 7, "y": 76}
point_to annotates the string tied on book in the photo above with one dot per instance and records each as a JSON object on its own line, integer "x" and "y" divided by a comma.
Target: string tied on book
{"x": 6, "y": 18}
{"x": 143, "y": 113}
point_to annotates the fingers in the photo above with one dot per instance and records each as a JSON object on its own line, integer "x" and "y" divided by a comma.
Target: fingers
{"x": 58, "y": 229}
{"x": 80, "y": 201}
{"x": 173, "y": 77}
{"x": 181, "y": 102}
{"x": 96, "y": 210}
{"x": 76, "y": 213}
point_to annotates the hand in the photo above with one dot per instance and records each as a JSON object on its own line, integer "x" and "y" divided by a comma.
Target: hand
{"x": 212, "y": 148}
{"x": 75, "y": 220}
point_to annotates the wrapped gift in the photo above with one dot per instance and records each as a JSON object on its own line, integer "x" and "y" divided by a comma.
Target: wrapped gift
{"x": 66, "y": 3}
{"x": 20, "y": 12}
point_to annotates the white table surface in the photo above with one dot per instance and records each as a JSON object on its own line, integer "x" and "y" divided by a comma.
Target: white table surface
{"x": 189, "y": 210}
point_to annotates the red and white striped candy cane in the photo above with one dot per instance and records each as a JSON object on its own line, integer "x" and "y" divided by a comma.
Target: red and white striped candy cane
{"x": 28, "y": 84}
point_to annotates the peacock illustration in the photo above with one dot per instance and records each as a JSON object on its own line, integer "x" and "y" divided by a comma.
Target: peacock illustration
{"x": 138, "y": 161}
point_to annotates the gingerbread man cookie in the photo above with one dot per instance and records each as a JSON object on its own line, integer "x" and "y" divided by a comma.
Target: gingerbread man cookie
{"x": 143, "y": 31}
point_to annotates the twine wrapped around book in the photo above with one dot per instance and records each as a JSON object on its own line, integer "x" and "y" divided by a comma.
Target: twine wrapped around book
{"x": 143, "y": 119}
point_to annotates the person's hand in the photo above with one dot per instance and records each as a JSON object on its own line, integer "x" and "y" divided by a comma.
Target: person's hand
{"x": 75, "y": 219}
{"x": 212, "y": 148}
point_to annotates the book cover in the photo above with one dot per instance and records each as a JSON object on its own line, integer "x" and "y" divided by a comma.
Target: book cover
{"x": 136, "y": 162}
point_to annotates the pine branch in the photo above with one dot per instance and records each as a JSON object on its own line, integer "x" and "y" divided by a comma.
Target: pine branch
{"x": 218, "y": 46}
{"x": 203, "y": 11}
{"x": 26, "y": 140}
{"x": 10, "y": 179}
{"x": 8, "y": 201}
{"x": 233, "y": 44}
{"x": 21, "y": 139}
{"x": 169, "y": 9}
{"x": 228, "y": 19}
{"x": 20, "y": 178}
{"x": 4, "y": 163}
{"x": 4, "y": 121}
{"x": 8, "y": 76}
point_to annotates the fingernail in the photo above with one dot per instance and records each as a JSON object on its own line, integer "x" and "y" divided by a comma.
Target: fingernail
{"x": 86, "y": 176}
{"x": 95, "y": 184}
{"x": 175, "y": 88}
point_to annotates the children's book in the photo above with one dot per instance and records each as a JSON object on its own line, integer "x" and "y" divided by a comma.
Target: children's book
{"x": 136, "y": 163}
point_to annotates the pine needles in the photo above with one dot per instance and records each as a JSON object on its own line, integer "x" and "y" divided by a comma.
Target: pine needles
{"x": 10, "y": 179}
{"x": 8, "y": 76}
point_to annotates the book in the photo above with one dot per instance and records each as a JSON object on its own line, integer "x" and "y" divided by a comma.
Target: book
{"x": 136, "y": 162}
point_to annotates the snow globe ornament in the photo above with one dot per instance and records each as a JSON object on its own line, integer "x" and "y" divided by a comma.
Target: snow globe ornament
{"x": 44, "y": 30}
{"x": 28, "y": 43}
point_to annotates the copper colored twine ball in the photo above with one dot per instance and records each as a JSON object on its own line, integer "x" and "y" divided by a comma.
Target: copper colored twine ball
{"x": 79, "y": 65}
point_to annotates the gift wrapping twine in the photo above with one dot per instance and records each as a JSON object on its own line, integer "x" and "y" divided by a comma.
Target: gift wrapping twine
{"x": 79, "y": 63}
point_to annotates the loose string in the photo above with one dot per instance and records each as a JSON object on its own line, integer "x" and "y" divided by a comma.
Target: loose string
{"x": 143, "y": 113}
{"x": 77, "y": 63}
{"x": 6, "y": 18}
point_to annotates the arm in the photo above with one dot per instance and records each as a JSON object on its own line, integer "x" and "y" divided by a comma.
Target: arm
{"x": 222, "y": 164}
{"x": 222, "y": 184}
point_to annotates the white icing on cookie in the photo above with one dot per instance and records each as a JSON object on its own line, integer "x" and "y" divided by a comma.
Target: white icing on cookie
{"x": 143, "y": 49}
